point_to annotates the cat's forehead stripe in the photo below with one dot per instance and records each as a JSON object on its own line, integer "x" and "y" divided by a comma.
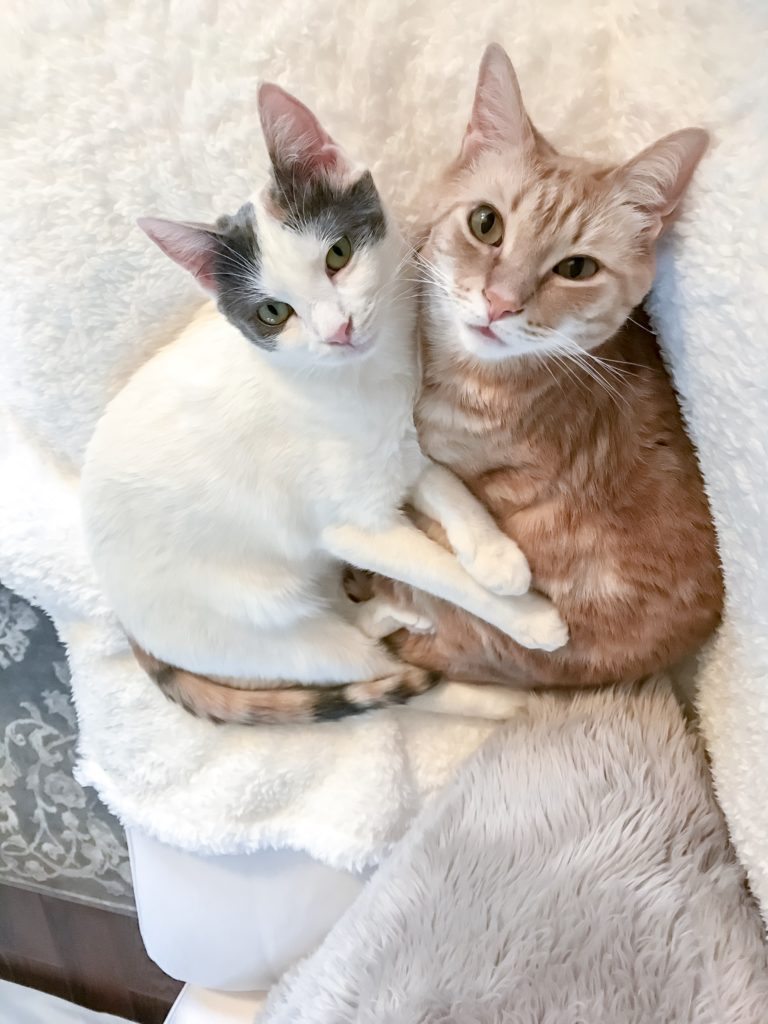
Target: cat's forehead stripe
{"x": 552, "y": 209}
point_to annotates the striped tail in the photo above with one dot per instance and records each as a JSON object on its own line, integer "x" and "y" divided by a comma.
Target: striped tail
{"x": 222, "y": 700}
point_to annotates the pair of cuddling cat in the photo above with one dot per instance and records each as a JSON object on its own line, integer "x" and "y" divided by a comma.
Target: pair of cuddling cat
{"x": 531, "y": 431}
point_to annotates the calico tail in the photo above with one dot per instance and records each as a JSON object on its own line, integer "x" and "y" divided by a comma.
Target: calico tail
{"x": 221, "y": 700}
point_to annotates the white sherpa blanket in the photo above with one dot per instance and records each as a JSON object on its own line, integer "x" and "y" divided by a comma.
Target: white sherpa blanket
{"x": 116, "y": 109}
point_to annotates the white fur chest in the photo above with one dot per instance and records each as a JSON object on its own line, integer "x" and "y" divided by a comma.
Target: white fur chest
{"x": 213, "y": 450}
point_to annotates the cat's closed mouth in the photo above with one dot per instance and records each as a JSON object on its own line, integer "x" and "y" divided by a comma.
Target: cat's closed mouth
{"x": 349, "y": 349}
{"x": 489, "y": 333}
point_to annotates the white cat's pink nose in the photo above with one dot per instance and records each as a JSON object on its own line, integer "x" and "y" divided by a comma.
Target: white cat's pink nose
{"x": 341, "y": 336}
{"x": 500, "y": 305}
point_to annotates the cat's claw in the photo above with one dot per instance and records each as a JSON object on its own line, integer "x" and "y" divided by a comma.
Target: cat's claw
{"x": 499, "y": 565}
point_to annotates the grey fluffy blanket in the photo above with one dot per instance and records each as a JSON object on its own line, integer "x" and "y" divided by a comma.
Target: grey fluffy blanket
{"x": 577, "y": 872}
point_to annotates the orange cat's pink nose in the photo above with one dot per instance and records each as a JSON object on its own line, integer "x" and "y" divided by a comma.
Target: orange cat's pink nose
{"x": 500, "y": 305}
{"x": 342, "y": 336}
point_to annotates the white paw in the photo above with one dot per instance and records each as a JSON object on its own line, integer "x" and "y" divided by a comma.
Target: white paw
{"x": 499, "y": 565}
{"x": 379, "y": 618}
{"x": 535, "y": 623}
{"x": 412, "y": 622}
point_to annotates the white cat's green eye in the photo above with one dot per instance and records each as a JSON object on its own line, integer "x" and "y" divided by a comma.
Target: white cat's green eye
{"x": 273, "y": 313}
{"x": 339, "y": 254}
{"x": 486, "y": 225}
{"x": 576, "y": 268}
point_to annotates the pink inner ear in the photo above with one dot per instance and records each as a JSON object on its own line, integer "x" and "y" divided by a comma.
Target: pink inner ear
{"x": 498, "y": 115}
{"x": 192, "y": 246}
{"x": 293, "y": 134}
{"x": 657, "y": 179}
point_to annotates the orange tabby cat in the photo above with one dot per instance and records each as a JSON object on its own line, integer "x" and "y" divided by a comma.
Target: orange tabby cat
{"x": 544, "y": 391}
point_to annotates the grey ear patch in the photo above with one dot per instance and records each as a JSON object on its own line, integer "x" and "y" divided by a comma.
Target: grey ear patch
{"x": 229, "y": 224}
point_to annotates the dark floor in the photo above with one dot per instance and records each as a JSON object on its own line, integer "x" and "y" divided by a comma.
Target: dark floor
{"x": 90, "y": 956}
{"x": 55, "y": 836}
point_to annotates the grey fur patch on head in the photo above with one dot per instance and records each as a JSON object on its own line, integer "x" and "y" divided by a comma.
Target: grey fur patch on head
{"x": 236, "y": 268}
{"x": 327, "y": 207}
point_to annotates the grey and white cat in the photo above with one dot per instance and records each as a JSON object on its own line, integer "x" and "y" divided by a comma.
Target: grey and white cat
{"x": 241, "y": 468}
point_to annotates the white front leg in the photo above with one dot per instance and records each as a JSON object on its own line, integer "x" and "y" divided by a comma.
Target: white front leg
{"x": 487, "y": 554}
{"x": 404, "y": 553}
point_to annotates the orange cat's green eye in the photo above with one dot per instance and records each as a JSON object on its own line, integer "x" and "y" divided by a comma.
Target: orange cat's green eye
{"x": 576, "y": 268}
{"x": 486, "y": 225}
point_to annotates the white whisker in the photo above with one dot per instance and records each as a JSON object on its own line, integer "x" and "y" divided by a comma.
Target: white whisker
{"x": 592, "y": 373}
{"x": 566, "y": 369}
{"x": 541, "y": 360}
{"x": 641, "y": 326}
{"x": 580, "y": 356}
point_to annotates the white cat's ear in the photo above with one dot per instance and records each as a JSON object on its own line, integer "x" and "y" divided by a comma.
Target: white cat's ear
{"x": 498, "y": 119}
{"x": 295, "y": 139}
{"x": 655, "y": 180}
{"x": 192, "y": 246}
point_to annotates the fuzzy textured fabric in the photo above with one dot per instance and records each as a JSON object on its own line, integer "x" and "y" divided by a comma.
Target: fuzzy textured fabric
{"x": 115, "y": 110}
{"x": 577, "y": 870}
